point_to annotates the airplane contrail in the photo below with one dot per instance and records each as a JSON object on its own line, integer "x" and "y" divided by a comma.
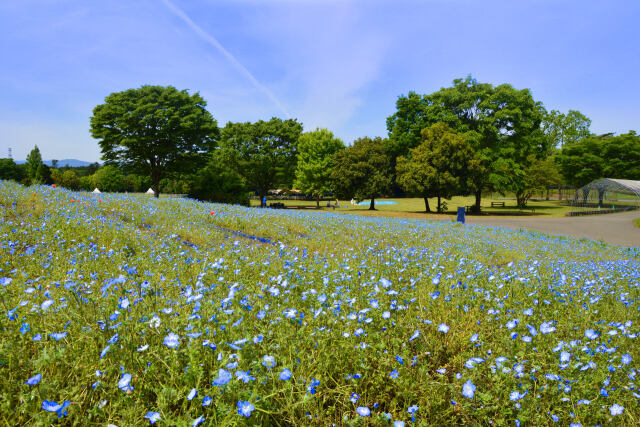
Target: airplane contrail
{"x": 215, "y": 43}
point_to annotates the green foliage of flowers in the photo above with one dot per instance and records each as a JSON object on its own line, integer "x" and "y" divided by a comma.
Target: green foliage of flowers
{"x": 130, "y": 310}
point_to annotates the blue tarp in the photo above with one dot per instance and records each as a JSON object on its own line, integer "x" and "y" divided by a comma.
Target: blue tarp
{"x": 383, "y": 202}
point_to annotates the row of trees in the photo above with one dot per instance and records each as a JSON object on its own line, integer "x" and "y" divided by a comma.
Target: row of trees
{"x": 469, "y": 138}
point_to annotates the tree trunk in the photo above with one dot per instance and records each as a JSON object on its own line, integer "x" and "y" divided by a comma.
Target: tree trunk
{"x": 547, "y": 193}
{"x": 426, "y": 205}
{"x": 317, "y": 200}
{"x": 439, "y": 208}
{"x": 372, "y": 206}
{"x": 155, "y": 179}
{"x": 478, "y": 200}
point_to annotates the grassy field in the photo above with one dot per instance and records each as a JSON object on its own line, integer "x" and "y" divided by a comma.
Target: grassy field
{"x": 127, "y": 310}
{"x": 414, "y": 207}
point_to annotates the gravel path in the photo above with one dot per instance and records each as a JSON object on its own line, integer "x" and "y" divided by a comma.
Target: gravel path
{"x": 617, "y": 229}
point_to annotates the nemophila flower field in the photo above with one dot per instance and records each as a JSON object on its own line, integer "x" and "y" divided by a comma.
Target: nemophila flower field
{"x": 129, "y": 310}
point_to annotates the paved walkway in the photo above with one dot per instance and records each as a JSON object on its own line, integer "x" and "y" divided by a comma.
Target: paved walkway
{"x": 617, "y": 229}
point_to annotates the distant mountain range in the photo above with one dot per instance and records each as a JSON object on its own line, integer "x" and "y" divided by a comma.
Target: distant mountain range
{"x": 74, "y": 163}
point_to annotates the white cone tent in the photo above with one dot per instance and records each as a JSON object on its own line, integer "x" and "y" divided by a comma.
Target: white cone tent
{"x": 96, "y": 191}
{"x": 150, "y": 191}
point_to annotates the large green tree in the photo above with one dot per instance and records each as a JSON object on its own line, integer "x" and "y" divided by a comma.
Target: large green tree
{"x": 34, "y": 166}
{"x": 219, "y": 183}
{"x": 154, "y": 130}
{"x": 315, "y": 161}
{"x": 501, "y": 123}
{"x": 564, "y": 129}
{"x": 441, "y": 166}
{"x": 109, "y": 178}
{"x": 362, "y": 170}
{"x": 10, "y": 170}
{"x": 262, "y": 153}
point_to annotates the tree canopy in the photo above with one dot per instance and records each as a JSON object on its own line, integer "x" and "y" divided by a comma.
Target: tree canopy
{"x": 316, "y": 151}
{"x": 564, "y": 129}
{"x": 598, "y": 157}
{"x": 154, "y": 130}
{"x": 362, "y": 170}
{"x": 263, "y": 153}
{"x": 501, "y": 123}
{"x": 441, "y": 166}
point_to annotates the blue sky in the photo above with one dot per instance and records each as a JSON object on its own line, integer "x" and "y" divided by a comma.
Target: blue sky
{"x": 328, "y": 63}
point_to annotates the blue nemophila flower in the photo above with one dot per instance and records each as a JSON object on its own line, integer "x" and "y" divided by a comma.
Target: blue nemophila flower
{"x": 34, "y": 379}
{"x": 46, "y": 304}
{"x": 468, "y": 389}
{"x": 565, "y": 356}
{"x": 51, "y": 406}
{"x": 4, "y": 281}
{"x": 290, "y": 313}
{"x": 386, "y": 315}
{"x": 142, "y": 348}
{"x": 58, "y": 335}
{"x": 223, "y": 377}
{"x": 124, "y": 303}
{"x": 394, "y": 374}
{"x": 155, "y": 321}
{"x": 398, "y": 424}
{"x": 123, "y": 383}
{"x": 198, "y": 421}
{"x": 412, "y": 410}
{"x": 512, "y": 323}
{"x": 415, "y": 335}
{"x": 172, "y": 340}
{"x": 399, "y": 359}
{"x": 441, "y": 371}
{"x": 443, "y": 328}
{"x": 547, "y": 328}
{"x": 311, "y": 389}
{"x": 104, "y": 351}
{"x": 24, "y": 328}
{"x": 193, "y": 393}
{"x": 244, "y": 376}
{"x": 114, "y": 339}
{"x": 37, "y": 337}
{"x": 153, "y": 417}
{"x": 206, "y": 401}
{"x": 354, "y": 397}
{"x": 591, "y": 334}
{"x": 474, "y": 338}
{"x": 626, "y": 359}
{"x": 516, "y": 395}
{"x": 269, "y": 361}
{"x": 616, "y": 409}
{"x": 363, "y": 411}
{"x": 245, "y": 408}
{"x": 285, "y": 375}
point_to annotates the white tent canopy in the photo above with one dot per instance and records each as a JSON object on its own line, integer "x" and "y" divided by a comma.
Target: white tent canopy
{"x": 96, "y": 191}
{"x": 150, "y": 191}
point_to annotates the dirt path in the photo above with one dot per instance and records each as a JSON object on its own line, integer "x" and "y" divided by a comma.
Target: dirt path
{"x": 617, "y": 229}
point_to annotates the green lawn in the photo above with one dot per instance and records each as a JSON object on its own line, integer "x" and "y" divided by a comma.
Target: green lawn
{"x": 414, "y": 207}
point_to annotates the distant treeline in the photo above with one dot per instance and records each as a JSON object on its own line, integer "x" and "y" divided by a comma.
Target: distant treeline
{"x": 466, "y": 139}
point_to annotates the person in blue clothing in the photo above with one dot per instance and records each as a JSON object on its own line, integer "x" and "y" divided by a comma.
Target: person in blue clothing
{"x": 264, "y": 201}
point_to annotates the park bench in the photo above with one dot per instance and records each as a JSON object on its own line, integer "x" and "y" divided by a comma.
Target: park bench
{"x": 277, "y": 205}
{"x": 496, "y": 204}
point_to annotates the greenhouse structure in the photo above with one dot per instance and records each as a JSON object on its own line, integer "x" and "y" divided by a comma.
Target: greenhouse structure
{"x": 606, "y": 195}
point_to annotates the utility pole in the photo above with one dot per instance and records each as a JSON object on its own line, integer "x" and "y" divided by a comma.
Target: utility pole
{"x": 10, "y": 153}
